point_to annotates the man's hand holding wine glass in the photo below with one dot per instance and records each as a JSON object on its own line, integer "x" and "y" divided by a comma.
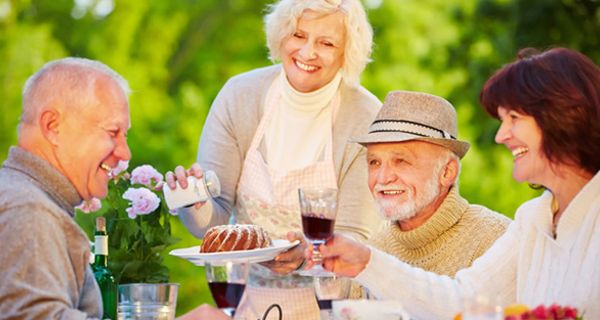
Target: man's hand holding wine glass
{"x": 342, "y": 256}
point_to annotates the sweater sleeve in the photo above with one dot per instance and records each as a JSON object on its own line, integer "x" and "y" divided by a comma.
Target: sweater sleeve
{"x": 37, "y": 272}
{"x": 426, "y": 295}
{"x": 357, "y": 215}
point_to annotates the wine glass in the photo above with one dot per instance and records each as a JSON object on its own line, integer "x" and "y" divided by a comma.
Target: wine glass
{"x": 318, "y": 209}
{"x": 227, "y": 283}
{"x": 481, "y": 307}
{"x": 329, "y": 289}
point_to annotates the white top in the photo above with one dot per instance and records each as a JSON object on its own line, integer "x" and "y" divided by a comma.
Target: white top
{"x": 525, "y": 265}
{"x": 300, "y": 127}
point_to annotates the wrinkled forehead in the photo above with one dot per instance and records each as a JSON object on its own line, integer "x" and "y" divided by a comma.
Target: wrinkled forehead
{"x": 111, "y": 104}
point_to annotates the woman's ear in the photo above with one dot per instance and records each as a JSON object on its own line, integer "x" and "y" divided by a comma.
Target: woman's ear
{"x": 449, "y": 173}
{"x": 49, "y": 124}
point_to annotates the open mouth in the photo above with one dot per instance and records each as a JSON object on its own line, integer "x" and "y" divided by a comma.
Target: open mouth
{"x": 305, "y": 67}
{"x": 390, "y": 193}
{"x": 106, "y": 168}
{"x": 519, "y": 152}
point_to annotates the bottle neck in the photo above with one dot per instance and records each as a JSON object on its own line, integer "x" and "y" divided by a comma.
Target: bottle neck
{"x": 101, "y": 260}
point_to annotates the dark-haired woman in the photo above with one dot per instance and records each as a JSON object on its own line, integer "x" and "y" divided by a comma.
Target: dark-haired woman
{"x": 549, "y": 107}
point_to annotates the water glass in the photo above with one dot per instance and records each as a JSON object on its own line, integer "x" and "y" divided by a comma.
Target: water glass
{"x": 480, "y": 307}
{"x": 145, "y": 301}
{"x": 329, "y": 289}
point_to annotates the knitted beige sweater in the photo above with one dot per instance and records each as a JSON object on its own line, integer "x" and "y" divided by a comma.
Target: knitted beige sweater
{"x": 450, "y": 240}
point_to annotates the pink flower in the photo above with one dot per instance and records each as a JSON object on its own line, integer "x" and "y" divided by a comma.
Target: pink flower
{"x": 91, "y": 205}
{"x": 121, "y": 166}
{"x": 146, "y": 175}
{"x": 143, "y": 201}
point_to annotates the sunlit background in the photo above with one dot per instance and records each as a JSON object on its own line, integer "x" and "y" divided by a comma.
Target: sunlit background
{"x": 177, "y": 54}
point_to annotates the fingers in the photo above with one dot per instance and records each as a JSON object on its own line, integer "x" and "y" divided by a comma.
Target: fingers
{"x": 196, "y": 171}
{"x": 282, "y": 267}
{"x": 180, "y": 174}
{"x": 333, "y": 246}
{"x": 295, "y": 235}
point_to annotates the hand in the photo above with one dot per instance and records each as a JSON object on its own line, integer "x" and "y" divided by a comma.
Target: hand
{"x": 291, "y": 259}
{"x": 343, "y": 256}
{"x": 180, "y": 176}
{"x": 205, "y": 312}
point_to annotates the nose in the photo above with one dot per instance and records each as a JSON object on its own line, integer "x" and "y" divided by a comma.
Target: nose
{"x": 386, "y": 175}
{"x": 122, "y": 150}
{"x": 503, "y": 133}
{"x": 308, "y": 51}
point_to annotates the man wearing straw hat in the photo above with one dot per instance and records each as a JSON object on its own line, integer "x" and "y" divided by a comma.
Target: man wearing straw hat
{"x": 413, "y": 157}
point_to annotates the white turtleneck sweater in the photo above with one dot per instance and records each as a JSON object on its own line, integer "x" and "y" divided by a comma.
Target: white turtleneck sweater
{"x": 301, "y": 126}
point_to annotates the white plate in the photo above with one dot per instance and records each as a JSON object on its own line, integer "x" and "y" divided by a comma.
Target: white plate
{"x": 193, "y": 255}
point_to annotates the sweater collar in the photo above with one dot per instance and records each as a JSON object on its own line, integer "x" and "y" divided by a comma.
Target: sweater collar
{"x": 577, "y": 211}
{"x": 42, "y": 173}
{"x": 309, "y": 101}
{"x": 446, "y": 216}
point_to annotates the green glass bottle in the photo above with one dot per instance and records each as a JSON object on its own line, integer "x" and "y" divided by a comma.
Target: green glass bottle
{"x": 103, "y": 275}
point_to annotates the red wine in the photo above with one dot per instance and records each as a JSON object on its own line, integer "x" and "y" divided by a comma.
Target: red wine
{"x": 227, "y": 295}
{"x": 316, "y": 228}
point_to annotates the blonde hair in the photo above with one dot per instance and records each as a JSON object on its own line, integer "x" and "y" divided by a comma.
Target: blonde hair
{"x": 69, "y": 80}
{"x": 282, "y": 19}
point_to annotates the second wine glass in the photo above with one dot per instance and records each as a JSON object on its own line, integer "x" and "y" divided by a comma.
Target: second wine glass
{"x": 227, "y": 283}
{"x": 318, "y": 207}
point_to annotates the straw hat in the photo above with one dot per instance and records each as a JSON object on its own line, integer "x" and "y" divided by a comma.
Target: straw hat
{"x": 407, "y": 116}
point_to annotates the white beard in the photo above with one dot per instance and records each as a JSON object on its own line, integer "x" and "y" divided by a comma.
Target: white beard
{"x": 391, "y": 210}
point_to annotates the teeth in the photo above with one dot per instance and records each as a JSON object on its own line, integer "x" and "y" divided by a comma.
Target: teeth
{"x": 108, "y": 169}
{"x": 305, "y": 67}
{"x": 519, "y": 151}
{"x": 391, "y": 192}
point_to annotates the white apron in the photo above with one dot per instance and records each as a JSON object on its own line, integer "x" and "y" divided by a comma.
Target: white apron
{"x": 269, "y": 198}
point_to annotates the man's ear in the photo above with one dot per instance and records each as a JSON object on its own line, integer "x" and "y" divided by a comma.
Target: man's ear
{"x": 49, "y": 124}
{"x": 449, "y": 173}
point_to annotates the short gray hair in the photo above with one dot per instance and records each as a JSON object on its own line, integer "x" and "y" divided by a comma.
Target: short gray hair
{"x": 77, "y": 75}
{"x": 282, "y": 19}
{"x": 447, "y": 155}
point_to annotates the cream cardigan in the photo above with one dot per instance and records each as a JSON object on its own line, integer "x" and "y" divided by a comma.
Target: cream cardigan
{"x": 525, "y": 265}
{"x": 228, "y": 131}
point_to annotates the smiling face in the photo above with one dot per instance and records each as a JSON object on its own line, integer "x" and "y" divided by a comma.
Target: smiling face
{"x": 406, "y": 179}
{"x": 522, "y": 136}
{"x": 92, "y": 140}
{"x": 314, "y": 53}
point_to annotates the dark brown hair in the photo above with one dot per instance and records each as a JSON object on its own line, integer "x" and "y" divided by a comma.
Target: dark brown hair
{"x": 560, "y": 89}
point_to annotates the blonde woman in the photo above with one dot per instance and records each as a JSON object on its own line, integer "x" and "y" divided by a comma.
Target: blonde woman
{"x": 278, "y": 128}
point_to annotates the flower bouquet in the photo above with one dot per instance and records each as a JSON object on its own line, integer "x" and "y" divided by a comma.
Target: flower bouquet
{"x": 137, "y": 222}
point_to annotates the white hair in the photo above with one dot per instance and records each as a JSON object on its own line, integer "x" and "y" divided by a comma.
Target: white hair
{"x": 283, "y": 17}
{"x": 447, "y": 156}
{"x": 70, "y": 81}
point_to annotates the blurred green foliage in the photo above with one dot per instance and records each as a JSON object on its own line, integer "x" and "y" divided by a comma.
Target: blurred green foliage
{"x": 177, "y": 54}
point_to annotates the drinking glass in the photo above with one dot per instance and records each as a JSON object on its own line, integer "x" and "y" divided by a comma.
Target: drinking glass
{"x": 318, "y": 208}
{"x": 145, "y": 301}
{"x": 329, "y": 289}
{"x": 227, "y": 283}
{"x": 481, "y": 307}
